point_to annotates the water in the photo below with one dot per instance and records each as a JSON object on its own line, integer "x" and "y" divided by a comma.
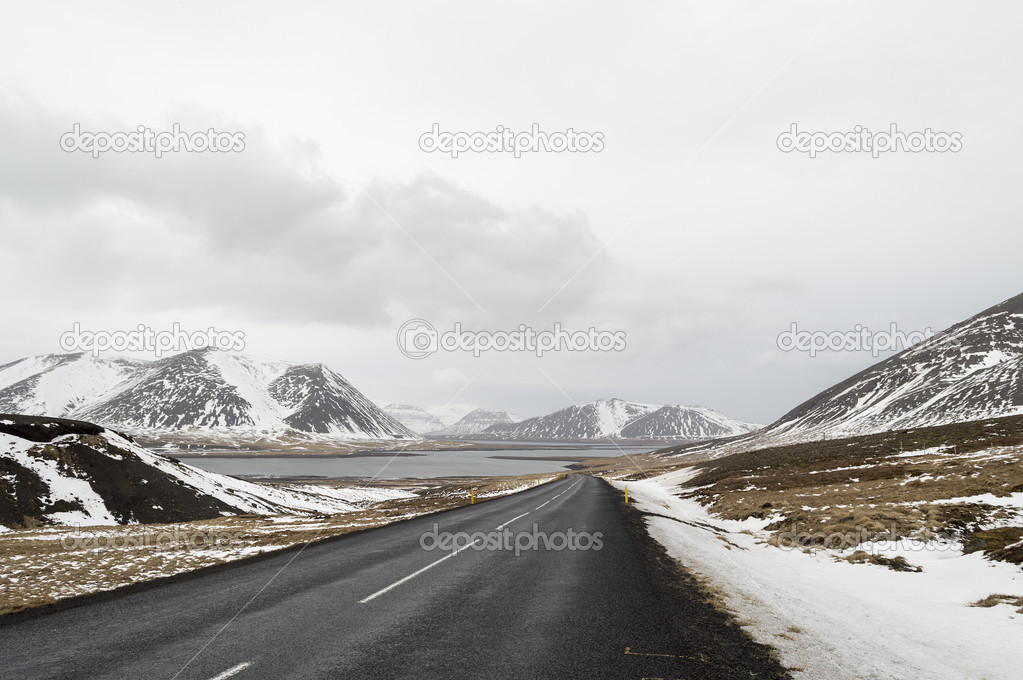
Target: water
{"x": 418, "y": 465}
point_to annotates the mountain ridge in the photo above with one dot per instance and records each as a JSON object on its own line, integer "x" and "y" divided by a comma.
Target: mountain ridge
{"x": 971, "y": 371}
{"x": 199, "y": 390}
{"x": 475, "y": 422}
{"x": 612, "y": 418}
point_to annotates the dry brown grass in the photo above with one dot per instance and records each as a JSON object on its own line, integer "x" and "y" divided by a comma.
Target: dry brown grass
{"x": 43, "y": 565}
{"x": 895, "y": 563}
{"x": 879, "y": 487}
{"x": 995, "y": 600}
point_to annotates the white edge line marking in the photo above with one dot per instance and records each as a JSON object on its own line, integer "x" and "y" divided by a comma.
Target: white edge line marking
{"x": 417, "y": 573}
{"x": 232, "y": 671}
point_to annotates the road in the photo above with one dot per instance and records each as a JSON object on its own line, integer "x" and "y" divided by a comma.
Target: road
{"x": 376, "y": 604}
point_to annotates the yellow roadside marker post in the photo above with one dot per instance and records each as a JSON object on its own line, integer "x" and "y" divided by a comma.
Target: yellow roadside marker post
{"x": 626, "y": 494}
{"x": 472, "y": 496}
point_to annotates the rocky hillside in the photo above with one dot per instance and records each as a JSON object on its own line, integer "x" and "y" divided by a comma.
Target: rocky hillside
{"x": 57, "y": 471}
{"x": 972, "y": 371}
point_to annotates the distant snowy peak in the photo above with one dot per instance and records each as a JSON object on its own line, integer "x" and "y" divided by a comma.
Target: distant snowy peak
{"x": 685, "y": 422}
{"x": 449, "y": 414}
{"x": 475, "y": 422}
{"x": 972, "y": 371}
{"x": 617, "y": 418}
{"x": 597, "y": 420}
{"x": 201, "y": 389}
{"x": 414, "y": 418}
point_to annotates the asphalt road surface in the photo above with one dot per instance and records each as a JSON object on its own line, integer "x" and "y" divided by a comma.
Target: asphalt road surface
{"x": 378, "y": 605}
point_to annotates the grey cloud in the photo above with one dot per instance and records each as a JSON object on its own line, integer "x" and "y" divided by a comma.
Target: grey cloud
{"x": 259, "y": 235}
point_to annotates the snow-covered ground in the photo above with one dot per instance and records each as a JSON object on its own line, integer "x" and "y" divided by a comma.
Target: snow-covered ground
{"x": 838, "y": 620}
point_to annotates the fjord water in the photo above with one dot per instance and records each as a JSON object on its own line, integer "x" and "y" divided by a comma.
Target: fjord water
{"x": 408, "y": 465}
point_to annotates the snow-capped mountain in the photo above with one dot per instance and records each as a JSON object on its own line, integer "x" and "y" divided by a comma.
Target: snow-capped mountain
{"x": 67, "y": 472}
{"x": 685, "y": 422}
{"x": 597, "y": 420}
{"x": 414, "y": 418}
{"x": 449, "y": 414}
{"x": 614, "y": 418}
{"x": 57, "y": 384}
{"x": 972, "y": 371}
{"x": 475, "y": 422}
{"x": 203, "y": 389}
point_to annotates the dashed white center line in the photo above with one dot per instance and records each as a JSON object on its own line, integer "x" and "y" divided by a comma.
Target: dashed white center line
{"x": 564, "y": 492}
{"x": 512, "y": 520}
{"x": 417, "y": 573}
{"x": 411, "y": 576}
{"x": 540, "y": 506}
{"x": 231, "y": 672}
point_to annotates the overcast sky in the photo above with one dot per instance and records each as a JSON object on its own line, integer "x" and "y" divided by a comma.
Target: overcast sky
{"x": 690, "y": 231}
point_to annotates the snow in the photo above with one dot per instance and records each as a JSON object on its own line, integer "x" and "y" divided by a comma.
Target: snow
{"x": 250, "y": 377}
{"x": 932, "y": 451}
{"x": 617, "y": 418}
{"x": 1012, "y": 500}
{"x": 245, "y": 497}
{"x": 250, "y": 497}
{"x": 614, "y": 414}
{"x": 477, "y": 421}
{"x": 63, "y": 382}
{"x": 26, "y": 368}
{"x": 856, "y": 620}
{"x": 62, "y": 487}
{"x": 413, "y": 417}
{"x": 972, "y": 373}
{"x": 103, "y": 389}
{"x": 449, "y": 414}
